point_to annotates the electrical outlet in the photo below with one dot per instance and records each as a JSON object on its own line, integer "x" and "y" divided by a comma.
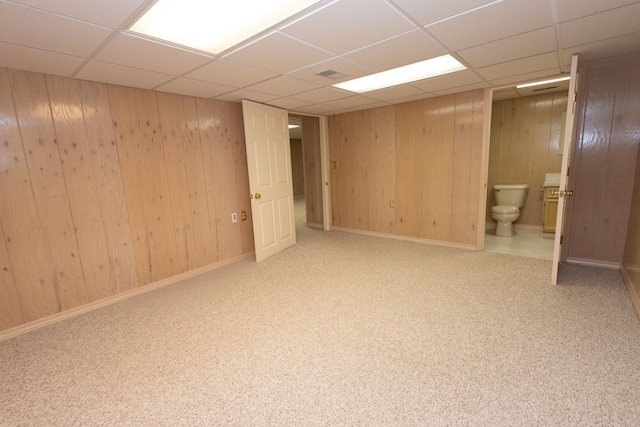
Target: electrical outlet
{"x": 243, "y": 215}
{"x": 234, "y": 217}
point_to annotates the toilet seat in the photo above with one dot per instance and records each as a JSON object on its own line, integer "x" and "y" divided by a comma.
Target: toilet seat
{"x": 506, "y": 209}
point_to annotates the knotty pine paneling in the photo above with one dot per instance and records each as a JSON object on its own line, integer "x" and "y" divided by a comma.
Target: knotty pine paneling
{"x": 427, "y": 159}
{"x": 525, "y": 144}
{"x": 106, "y": 188}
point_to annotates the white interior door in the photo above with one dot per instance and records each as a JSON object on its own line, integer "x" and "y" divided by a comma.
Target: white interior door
{"x": 269, "y": 161}
{"x": 566, "y": 153}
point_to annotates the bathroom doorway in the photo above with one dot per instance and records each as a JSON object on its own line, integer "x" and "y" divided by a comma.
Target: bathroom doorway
{"x": 526, "y": 141}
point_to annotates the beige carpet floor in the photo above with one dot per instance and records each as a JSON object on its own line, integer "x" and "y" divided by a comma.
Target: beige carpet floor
{"x": 342, "y": 330}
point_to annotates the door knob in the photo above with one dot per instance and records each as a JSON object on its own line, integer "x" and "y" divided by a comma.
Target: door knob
{"x": 257, "y": 196}
{"x": 565, "y": 193}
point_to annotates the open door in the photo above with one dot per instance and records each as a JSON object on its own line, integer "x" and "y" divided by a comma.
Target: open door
{"x": 563, "y": 192}
{"x": 269, "y": 162}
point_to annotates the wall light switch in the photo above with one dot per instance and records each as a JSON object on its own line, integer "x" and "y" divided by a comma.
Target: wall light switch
{"x": 234, "y": 217}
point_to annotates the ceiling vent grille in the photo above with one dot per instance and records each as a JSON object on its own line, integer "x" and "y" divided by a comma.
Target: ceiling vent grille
{"x": 332, "y": 74}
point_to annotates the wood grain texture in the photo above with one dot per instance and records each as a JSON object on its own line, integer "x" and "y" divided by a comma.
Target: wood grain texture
{"x": 107, "y": 176}
{"x": 421, "y": 154}
{"x": 26, "y": 251}
{"x": 10, "y": 309}
{"x": 49, "y": 187}
{"x": 67, "y": 112}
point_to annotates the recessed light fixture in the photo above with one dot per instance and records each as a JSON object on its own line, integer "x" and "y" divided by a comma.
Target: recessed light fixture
{"x": 214, "y": 26}
{"x": 293, "y": 126}
{"x": 543, "y": 82}
{"x": 433, "y": 67}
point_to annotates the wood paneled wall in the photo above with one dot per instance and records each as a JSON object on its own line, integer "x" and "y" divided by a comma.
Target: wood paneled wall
{"x": 603, "y": 163}
{"x": 312, "y": 170}
{"x": 105, "y": 188}
{"x": 425, "y": 156}
{"x": 526, "y": 144}
{"x": 297, "y": 167}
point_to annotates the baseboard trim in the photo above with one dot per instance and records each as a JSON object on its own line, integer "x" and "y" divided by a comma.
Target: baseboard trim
{"x": 594, "y": 263}
{"x": 407, "y": 238}
{"x": 67, "y": 314}
{"x": 633, "y": 292}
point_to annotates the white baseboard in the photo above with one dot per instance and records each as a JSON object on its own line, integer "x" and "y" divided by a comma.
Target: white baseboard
{"x": 67, "y": 314}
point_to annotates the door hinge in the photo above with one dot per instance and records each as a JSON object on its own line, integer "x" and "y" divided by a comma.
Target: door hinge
{"x": 561, "y": 236}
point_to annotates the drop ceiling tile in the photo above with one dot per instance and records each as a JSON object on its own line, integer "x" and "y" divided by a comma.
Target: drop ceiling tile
{"x": 341, "y": 65}
{"x": 239, "y": 95}
{"x": 494, "y": 22}
{"x": 137, "y": 52}
{"x": 605, "y": 50}
{"x": 197, "y": 88}
{"x": 49, "y": 32}
{"x": 395, "y": 52}
{"x": 426, "y": 12}
{"x": 613, "y": 23}
{"x": 230, "y": 74}
{"x": 321, "y": 95}
{"x": 39, "y": 61}
{"x": 349, "y": 24}
{"x": 283, "y": 86}
{"x": 528, "y": 44}
{"x": 289, "y": 103}
{"x": 354, "y": 102}
{"x": 448, "y": 81}
{"x": 278, "y": 53}
{"x": 518, "y": 67}
{"x": 459, "y": 89}
{"x": 525, "y": 78}
{"x": 106, "y": 13}
{"x": 120, "y": 75}
{"x": 395, "y": 92}
{"x": 573, "y": 9}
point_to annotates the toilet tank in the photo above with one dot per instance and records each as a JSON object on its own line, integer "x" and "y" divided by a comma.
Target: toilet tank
{"x": 510, "y": 194}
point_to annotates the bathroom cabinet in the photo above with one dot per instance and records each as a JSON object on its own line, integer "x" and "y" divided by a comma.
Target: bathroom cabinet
{"x": 550, "y": 209}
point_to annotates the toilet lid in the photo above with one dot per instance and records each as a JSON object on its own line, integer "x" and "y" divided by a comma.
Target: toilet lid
{"x": 505, "y": 209}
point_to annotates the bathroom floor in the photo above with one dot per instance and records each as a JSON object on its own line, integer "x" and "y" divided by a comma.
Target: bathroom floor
{"x": 526, "y": 243}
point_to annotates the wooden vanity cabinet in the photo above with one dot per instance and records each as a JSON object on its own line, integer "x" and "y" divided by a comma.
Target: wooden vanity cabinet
{"x": 550, "y": 209}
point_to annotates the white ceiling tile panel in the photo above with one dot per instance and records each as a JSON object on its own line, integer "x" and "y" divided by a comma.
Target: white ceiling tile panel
{"x": 109, "y": 13}
{"x": 322, "y": 95}
{"x": 289, "y": 103}
{"x": 572, "y": 9}
{"x": 194, "y": 88}
{"x": 613, "y": 23}
{"x": 240, "y": 94}
{"x": 41, "y": 30}
{"x": 528, "y": 44}
{"x": 230, "y": 74}
{"x": 395, "y": 92}
{"x": 349, "y": 24}
{"x": 401, "y": 50}
{"x": 458, "y": 89}
{"x": 120, "y": 75}
{"x": 497, "y": 21}
{"x": 525, "y": 77}
{"x": 426, "y": 12}
{"x": 278, "y": 53}
{"x": 460, "y": 78}
{"x": 24, "y": 58}
{"x": 518, "y": 67}
{"x": 136, "y": 52}
{"x": 283, "y": 85}
{"x": 339, "y": 64}
{"x": 605, "y": 49}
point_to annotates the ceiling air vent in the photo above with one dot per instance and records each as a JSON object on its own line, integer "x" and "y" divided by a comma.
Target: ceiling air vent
{"x": 332, "y": 74}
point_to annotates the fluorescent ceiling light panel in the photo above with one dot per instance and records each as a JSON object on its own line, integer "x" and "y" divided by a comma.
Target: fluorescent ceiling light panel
{"x": 409, "y": 73}
{"x": 543, "y": 83}
{"x": 214, "y": 25}
{"x": 293, "y": 126}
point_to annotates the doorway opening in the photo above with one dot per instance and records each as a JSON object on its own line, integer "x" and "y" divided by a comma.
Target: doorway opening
{"x": 526, "y": 146}
{"x": 306, "y": 170}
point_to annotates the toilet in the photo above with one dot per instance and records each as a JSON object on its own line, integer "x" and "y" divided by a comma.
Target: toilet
{"x": 509, "y": 199}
